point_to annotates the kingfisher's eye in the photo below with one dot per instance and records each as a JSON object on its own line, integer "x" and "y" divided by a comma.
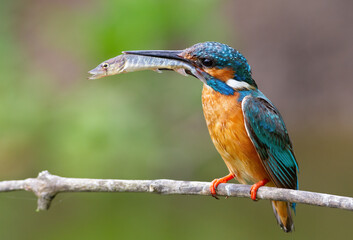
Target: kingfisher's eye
{"x": 207, "y": 62}
{"x": 105, "y": 65}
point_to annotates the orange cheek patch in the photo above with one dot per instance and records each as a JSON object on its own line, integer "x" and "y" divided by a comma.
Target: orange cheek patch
{"x": 223, "y": 74}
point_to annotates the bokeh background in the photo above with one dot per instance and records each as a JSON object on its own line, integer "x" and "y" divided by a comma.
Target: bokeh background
{"x": 146, "y": 125}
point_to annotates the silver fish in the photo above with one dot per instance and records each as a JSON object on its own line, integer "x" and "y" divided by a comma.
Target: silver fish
{"x": 130, "y": 63}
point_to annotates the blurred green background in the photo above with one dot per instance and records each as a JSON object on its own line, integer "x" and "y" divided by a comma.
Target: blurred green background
{"x": 147, "y": 126}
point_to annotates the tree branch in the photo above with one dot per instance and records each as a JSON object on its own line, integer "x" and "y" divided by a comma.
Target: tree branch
{"x": 46, "y": 186}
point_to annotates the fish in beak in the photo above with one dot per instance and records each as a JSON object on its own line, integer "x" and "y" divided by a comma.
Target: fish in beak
{"x": 156, "y": 60}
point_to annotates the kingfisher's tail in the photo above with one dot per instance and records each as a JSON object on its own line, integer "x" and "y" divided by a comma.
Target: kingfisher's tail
{"x": 283, "y": 215}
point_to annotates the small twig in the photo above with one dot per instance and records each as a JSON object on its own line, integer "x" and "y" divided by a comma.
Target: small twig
{"x": 46, "y": 186}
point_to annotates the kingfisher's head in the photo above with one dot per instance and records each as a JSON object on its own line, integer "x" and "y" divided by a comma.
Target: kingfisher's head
{"x": 221, "y": 62}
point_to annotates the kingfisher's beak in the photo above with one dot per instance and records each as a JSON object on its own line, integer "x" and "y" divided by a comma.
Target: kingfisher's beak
{"x": 169, "y": 54}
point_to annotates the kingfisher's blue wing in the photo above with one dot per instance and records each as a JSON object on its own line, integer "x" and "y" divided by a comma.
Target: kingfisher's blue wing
{"x": 268, "y": 133}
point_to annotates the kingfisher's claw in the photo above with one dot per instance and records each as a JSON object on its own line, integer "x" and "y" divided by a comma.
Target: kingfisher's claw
{"x": 213, "y": 187}
{"x": 218, "y": 181}
{"x": 255, "y": 187}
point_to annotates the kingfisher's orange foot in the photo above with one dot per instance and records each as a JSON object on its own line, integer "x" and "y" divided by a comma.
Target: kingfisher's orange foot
{"x": 255, "y": 187}
{"x": 218, "y": 181}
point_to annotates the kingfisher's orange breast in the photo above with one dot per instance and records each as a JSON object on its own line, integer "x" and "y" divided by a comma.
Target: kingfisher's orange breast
{"x": 225, "y": 122}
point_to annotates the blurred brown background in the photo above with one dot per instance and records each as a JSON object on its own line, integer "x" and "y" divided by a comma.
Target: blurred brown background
{"x": 146, "y": 126}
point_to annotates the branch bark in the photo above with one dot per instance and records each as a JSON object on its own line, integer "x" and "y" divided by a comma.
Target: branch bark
{"x": 46, "y": 186}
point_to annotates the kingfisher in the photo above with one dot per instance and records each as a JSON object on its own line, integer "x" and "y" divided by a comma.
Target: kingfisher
{"x": 246, "y": 128}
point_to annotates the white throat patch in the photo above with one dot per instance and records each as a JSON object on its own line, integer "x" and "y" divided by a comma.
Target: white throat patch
{"x": 237, "y": 85}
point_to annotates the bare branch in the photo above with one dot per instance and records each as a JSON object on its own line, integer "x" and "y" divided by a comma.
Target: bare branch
{"x": 46, "y": 186}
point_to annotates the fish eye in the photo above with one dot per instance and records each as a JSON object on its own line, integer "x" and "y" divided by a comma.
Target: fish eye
{"x": 207, "y": 62}
{"x": 105, "y": 65}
